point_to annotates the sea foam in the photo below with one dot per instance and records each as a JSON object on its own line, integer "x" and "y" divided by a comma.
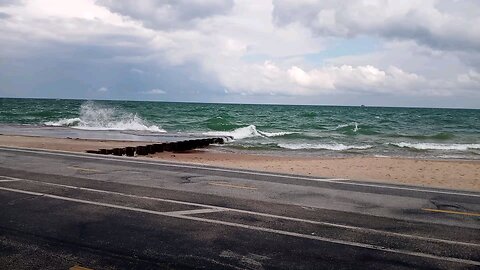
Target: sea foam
{"x": 437, "y": 146}
{"x": 323, "y": 146}
{"x": 275, "y": 134}
{"x": 68, "y": 122}
{"x": 247, "y": 132}
{"x": 97, "y": 117}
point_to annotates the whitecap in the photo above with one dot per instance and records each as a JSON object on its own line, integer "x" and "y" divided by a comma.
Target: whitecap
{"x": 247, "y": 132}
{"x": 238, "y": 134}
{"x": 275, "y": 134}
{"x": 67, "y": 122}
{"x": 437, "y": 146}
{"x": 342, "y": 126}
{"x": 356, "y": 127}
{"x": 354, "y": 124}
{"x": 96, "y": 117}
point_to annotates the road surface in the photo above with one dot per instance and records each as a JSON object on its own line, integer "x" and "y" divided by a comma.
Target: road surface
{"x": 64, "y": 210}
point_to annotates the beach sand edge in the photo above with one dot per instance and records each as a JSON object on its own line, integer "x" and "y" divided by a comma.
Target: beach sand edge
{"x": 450, "y": 174}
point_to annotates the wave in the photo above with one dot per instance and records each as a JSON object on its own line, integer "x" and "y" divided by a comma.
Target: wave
{"x": 437, "y": 146}
{"x": 333, "y": 146}
{"x": 308, "y": 114}
{"x": 97, "y": 117}
{"x": 255, "y": 146}
{"x": 343, "y": 126}
{"x": 354, "y": 128}
{"x": 438, "y": 136}
{"x": 275, "y": 134}
{"x": 247, "y": 132}
{"x": 221, "y": 123}
{"x": 68, "y": 122}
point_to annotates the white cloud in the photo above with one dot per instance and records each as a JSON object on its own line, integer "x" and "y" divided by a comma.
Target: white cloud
{"x": 102, "y": 89}
{"x": 155, "y": 92}
{"x": 270, "y": 78}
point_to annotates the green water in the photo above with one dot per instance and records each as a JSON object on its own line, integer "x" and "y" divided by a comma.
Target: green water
{"x": 314, "y": 130}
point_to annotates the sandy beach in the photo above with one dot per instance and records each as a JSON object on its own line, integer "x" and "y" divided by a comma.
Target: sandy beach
{"x": 453, "y": 174}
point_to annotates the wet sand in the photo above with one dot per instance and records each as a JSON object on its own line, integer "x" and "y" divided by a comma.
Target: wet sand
{"x": 453, "y": 174}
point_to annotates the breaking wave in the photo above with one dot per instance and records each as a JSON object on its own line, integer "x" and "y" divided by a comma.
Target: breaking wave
{"x": 437, "y": 146}
{"x": 275, "y": 134}
{"x": 354, "y": 126}
{"x": 97, "y": 117}
{"x": 247, "y": 132}
{"x": 69, "y": 122}
{"x": 332, "y": 146}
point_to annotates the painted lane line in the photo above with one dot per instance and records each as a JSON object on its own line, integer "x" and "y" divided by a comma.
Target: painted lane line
{"x": 322, "y": 223}
{"x": 255, "y": 228}
{"x": 452, "y": 212}
{"x": 335, "y": 241}
{"x": 226, "y": 184}
{"x": 83, "y": 169}
{"x": 186, "y": 166}
{"x": 46, "y": 195}
{"x": 339, "y": 179}
{"x": 9, "y": 180}
{"x": 195, "y": 211}
{"x": 121, "y": 194}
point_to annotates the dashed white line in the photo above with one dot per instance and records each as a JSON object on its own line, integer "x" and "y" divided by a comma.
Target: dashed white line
{"x": 255, "y": 228}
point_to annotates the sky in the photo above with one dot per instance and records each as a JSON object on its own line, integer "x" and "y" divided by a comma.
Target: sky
{"x": 380, "y": 53}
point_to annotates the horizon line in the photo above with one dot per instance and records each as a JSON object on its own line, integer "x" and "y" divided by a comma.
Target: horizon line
{"x": 237, "y": 103}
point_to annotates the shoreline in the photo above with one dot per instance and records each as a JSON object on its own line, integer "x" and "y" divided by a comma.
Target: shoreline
{"x": 440, "y": 173}
{"x": 419, "y": 149}
{"x": 340, "y": 155}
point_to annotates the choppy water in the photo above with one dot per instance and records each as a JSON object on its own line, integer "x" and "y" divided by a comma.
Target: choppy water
{"x": 313, "y": 130}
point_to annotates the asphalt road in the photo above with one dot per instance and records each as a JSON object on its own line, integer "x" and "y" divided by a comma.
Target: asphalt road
{"x": 65, "y": 210}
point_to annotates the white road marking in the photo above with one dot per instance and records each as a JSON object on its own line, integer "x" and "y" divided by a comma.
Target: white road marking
{"x": 121, "y": 194}
{"x": 338, "y": 179}
{"x": 83, "y": 169}
{"x": 219, "y": 208}
{"x": 333, "y": 180}
{"x": 195, "y": 211}
{"x": 230, "y": 185}
{"x": 9, "y": 180}
{"x": 255, "y": 228}
{"x": 335, "y": 241}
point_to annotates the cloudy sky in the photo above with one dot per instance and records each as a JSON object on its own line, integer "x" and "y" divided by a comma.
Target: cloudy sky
{"x": 372, "y": 52}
